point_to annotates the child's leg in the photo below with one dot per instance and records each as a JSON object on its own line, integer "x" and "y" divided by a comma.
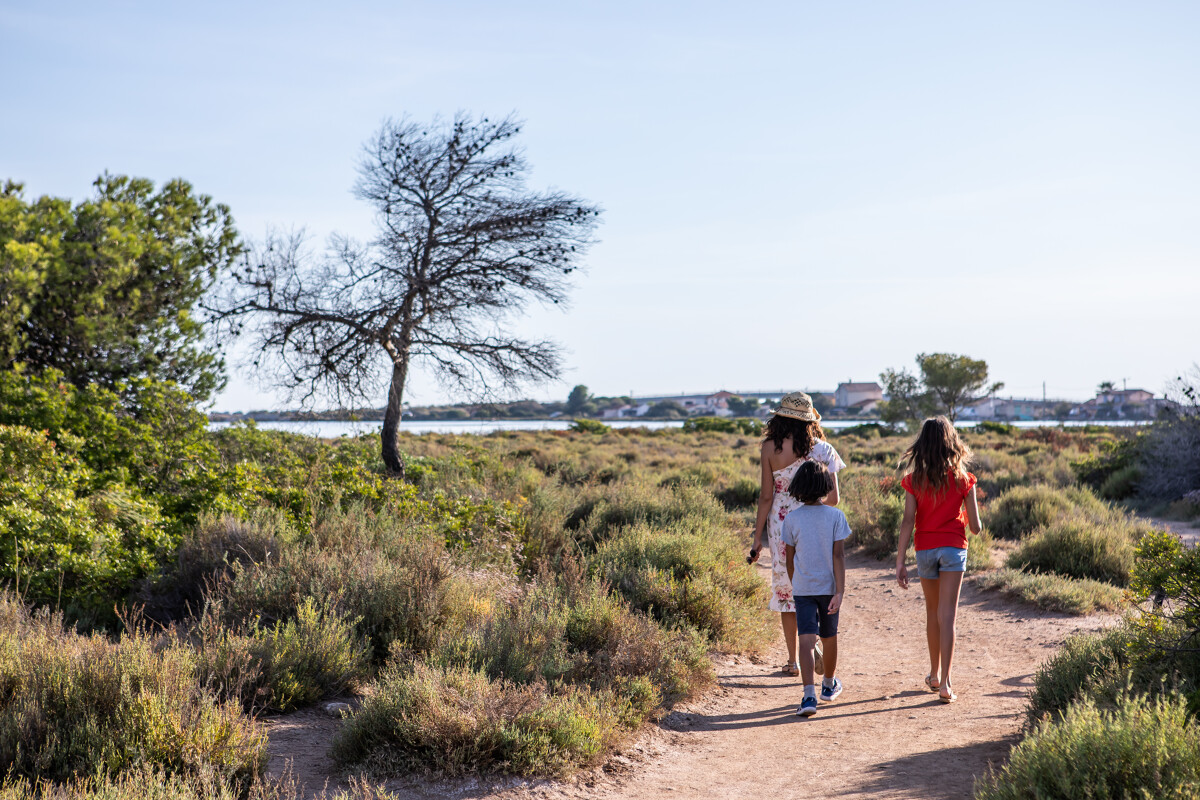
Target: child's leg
{"x": 947, "y": 612}
{"x": 788, "y": 619}
{"x": 933, "y": 631}
{"x": 807, "y": 663}
{"x": 829, "y": 645}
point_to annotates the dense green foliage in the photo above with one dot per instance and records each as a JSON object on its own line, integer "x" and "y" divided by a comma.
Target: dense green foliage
{"x": 1141, "y": 749}
{"x": 74, "y": 705}
{"x": 106, "y": 290}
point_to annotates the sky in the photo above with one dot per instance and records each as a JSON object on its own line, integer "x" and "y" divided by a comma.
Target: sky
{"x": 796, "y": 193}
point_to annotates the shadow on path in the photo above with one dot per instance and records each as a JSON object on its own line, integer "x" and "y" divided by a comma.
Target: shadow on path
{"x": 924, "y": 775}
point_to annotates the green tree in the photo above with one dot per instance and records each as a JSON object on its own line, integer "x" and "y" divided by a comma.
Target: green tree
{"x": 578, "y": 399}
{"x": 1106, "y": 386}
{"x": 947, "y": 382}
{"x": 105, "y": 291}
{"x": 953, "y": 380}
{"x": 747, "y": 407}
{"x": 667, "y": 409}
{"x": 907, "y": 398}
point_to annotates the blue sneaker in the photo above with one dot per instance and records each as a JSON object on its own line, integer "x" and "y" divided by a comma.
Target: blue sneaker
{"x": 808, "y": 707}
{"x": 831, "y": 692}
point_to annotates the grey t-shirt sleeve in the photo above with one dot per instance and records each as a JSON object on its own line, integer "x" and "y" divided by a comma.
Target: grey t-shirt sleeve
{"x": 841, "y": 528}
{"x": 787, "y": 533}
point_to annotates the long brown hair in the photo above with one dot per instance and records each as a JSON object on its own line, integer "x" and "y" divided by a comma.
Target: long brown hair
{"x": 936, "y": 455}
{"x": 804, "y": 433}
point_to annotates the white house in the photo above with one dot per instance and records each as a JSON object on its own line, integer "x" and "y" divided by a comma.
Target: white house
{"x": 858, "y": 396}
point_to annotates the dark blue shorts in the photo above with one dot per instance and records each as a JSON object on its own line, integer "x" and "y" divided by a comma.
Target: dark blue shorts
{"x": 812, "y": 615}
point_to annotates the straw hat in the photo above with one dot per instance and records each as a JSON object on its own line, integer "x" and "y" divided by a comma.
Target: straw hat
{"x": 798, "y": 405}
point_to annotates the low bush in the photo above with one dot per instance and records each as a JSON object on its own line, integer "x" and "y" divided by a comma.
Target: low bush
{"x": 979, "y": 551}
{"x": 1053, "y": 592}
{"x": 742, "y": 494}
{"x": 874, "y": 505}
{"x": 1088, "y": 666}
{"x": 1142, "y": 748}
{"x": 589, "y": 426}
{"x": 412, "y": 593}
{"x": 988, "y": 426}
{"x": 206, "y": 557}
{"x": 688, "y": 573}
{"x": 65, "y": 543}
{"x": 421, "y": 718}
{"x": 1024, "y": 509}
{"x": 1079, "y": 547}
{"x": 79, "y": 705}
{"x": 150, "y": 783}
{"x": 289, "y": 665}
{"x": 742, "y": 425}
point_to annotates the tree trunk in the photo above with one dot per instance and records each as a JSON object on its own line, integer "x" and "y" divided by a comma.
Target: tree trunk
{"x": 392, "y": 459}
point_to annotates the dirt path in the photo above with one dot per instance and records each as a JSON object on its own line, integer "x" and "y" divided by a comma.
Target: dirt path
{"x": 886, "y": 737}
{"x": 1188, "y": 532}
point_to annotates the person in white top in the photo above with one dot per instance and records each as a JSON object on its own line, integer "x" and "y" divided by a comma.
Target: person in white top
{"x": 793, "y": 435}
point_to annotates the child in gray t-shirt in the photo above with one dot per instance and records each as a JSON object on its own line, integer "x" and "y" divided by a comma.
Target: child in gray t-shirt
{"x": 813, "y": 536}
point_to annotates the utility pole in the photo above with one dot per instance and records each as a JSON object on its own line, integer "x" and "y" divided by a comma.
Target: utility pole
{"x": 1043, "y": 391}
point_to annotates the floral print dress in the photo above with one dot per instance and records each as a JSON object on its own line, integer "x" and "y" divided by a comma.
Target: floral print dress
{"x": 781, "y": 506}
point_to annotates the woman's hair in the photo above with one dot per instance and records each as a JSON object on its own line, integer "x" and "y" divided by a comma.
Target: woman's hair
{"x": 937, "y": 454}
{"x": 804, "y": 433}
{"x": 811, "y": 482}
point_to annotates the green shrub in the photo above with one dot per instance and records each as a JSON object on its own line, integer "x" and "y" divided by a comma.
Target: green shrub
{"x": 286, "y": 666}
{"x": 64, "y": 543}
{"x": 1024, "y": 509}
{"x": 1142, "y": 749}
{"x": 1091, "y": 666}
{"x": 206, "y": 558}
{"x": 76, "y": 705}
{"x": 458, "y": 721}
{"x": 742, "y": 494}
{"x": 1121, "y": 484}
{"x": 873, "y": 508}
{"x": 150, "y": 783}
{"x": 742, "y": 425}
{"x": 1112, "y": 456}
{"x": 691, "y": 573}
{"x": 979, "y": 551}
{"x": 1078, "y": 547}
{"x": 589, "y": 426}
{"x": 988, "y": 426}
{"x": 868, "y": 430}
{"x": 410, "y": 592}
{"x": 1053, "y": 592}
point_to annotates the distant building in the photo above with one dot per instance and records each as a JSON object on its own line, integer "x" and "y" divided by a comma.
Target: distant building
{"x": 858, "y": 397}
{"x": 1120, "y": 404}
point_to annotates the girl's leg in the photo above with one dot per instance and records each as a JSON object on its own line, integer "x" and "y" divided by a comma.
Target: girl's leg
{"x": 933, "y": 634}
{"x": 788, "y": 618}
{"x": 951, "y": 585}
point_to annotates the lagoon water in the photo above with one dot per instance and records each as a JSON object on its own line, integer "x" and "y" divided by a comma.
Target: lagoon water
{"x": 332, "y": 429}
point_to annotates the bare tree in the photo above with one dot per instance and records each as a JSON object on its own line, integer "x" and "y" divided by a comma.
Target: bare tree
{"x": 462, "y": 247}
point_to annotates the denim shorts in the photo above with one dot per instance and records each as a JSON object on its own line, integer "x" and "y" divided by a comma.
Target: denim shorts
{"x": 931, "y": 563}
{"x": 812, "y": 615}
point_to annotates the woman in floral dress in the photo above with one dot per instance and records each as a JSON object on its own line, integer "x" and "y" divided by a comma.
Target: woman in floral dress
{"x": 793, "y": 435}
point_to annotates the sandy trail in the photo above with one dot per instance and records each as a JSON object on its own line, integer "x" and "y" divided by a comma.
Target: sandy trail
{"x": 885, "y": 737}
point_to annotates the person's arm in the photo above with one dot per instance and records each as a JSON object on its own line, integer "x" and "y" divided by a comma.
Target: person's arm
{"x": 766, "y": 495}
{"x": 839, "y": 576}
{"x": 789, "y": 553}
{"x": 906, "y": 531}
{"x": 833, "y": 497}
{"x": 972, "y": 502}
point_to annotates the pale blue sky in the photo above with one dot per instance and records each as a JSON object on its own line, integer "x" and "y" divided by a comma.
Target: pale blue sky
{"x": 796, "y": 193}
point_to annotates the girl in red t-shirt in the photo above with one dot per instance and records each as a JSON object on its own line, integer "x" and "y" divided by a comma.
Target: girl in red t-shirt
{"x": 940, "y": 504}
